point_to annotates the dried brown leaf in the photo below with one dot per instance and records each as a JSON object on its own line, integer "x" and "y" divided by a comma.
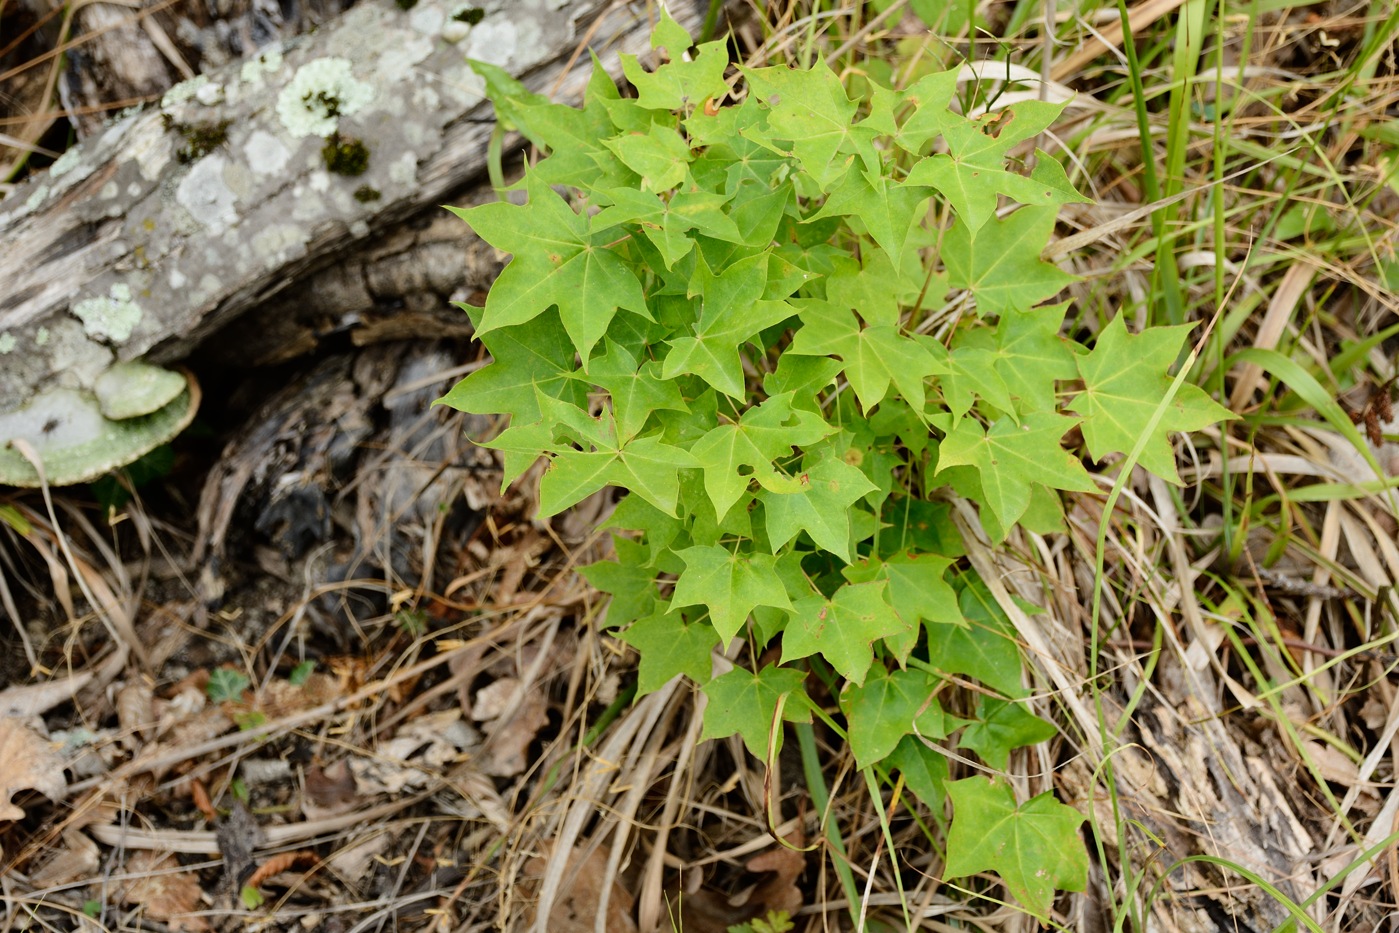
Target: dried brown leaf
{"x": 493, "y": 699}
{"x": 27, "y": 762}
{"x": 580, "y": 896}
{"x": 76, "y": 859}
{"x": 330, "y": 790}
{"x": 709, "y": 911}
{"x": 779, "y": 891}
{"x": 280, "y": 698}
{"x": 507, "y": 748}
{"x": 135, "y": 704}
{"x": 165, "y": 893}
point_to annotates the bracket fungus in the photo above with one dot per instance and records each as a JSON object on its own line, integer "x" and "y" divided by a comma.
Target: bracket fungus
{"x": 78, "y": 436}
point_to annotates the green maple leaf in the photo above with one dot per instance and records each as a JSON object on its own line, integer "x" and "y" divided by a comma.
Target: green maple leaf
{"x": 973, "y": 170}
{"x": 842, "y": 629}
{"x": 757, "y": 213}
{"x": 678, "y": 84}
{"x": 872, "y": 288}
{"x": 918, "y": 525}
{"x": 1000, "y": 726}
{"x": 630, "y": 583}
{"x": 571, "y": 477}
{"x": 730, "y": 313}
{"x": 984, "y": 647}
{"x": 930, "y": 97}
{"x": 692, "y": 208}
{"x": 732, "y": 454}
{"x": 746, "y": 703}
{"x": 887, "y": 210}
{"x": 659, "y": 156}
{"x": 924, "y": 770}
{"x": 811, "y": 109}
{"x": 557, "y": 262}
{"x": 730, "y": 584}
{"x": 636, "y": 390}
{"x": 635, "y": 513}
{"x": 537, "y": 358}
{"x": 817, "y": 501}
{"x": 889, "y": 706}
{"x": 572, "y": 137}
{"x": 802, "y": 378}
{"x": 1035, "y": 847}
{"x": 917, "y": 590}
{"x": 1010, "y": 458}
{"x": 667, "y": 222}
{"x": 971, "y": 374}
{"x": 731, "y": 156}
{"x": 1000, "y": 262}
{"x": 646, "y": 466}
{"x": 874, "y": 355}
{"x": 522, "y": 444}
{"x": 1029, "y": 355}
{"x": 668, "y": 646}
{"x": 1125, "y": 378}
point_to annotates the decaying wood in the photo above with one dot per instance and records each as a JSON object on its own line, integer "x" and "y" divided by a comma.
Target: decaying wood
{"x": 352, "y": 452}
{"x": 136, "y": 244}
{"x": 1197, "y": 789}
{"x": 124, "y": 51}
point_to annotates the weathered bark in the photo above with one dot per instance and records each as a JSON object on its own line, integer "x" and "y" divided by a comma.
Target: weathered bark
{"x": 141, "y": 244}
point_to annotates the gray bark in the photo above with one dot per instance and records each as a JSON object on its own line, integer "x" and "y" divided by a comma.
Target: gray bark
{"x": 140, "y": 244}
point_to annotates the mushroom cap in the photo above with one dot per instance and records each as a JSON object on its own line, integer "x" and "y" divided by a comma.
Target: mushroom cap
{"x": 77, "y": 442}
{"x": 129, "y": 390}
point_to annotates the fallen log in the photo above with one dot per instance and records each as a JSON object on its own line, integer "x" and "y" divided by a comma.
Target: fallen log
{"x": 181, "y": 218}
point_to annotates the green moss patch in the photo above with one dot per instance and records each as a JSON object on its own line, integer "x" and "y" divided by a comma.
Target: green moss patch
{"x": 345, "y": 155}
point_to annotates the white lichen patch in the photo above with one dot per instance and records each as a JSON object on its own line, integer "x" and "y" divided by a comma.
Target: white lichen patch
{"x": 110, "y": 317}
{"x": 41, "y": 337}
{"x": 7, "y": 343}
{"x": 496, "y": 40}
{"x": 256, "y": 70}
{"x": 404, "y": 170}
{"x": 209, "y": 94}
{"x": 320, "y": 93}
{"x": 279, "y": 244}
{"x": 65, "y": 163}
{"x": 36, "y": 198}
{"x": 150, "y": 148}
{"x": 427, "y": 19}
{"x": 425, "y": 99}
{"x": 207, "y": 197}
{"x": 185, "y": 90}
{"x": 398, "y": 60}
{"x": 463, "y": 86}
{"x": 265, "y": 153}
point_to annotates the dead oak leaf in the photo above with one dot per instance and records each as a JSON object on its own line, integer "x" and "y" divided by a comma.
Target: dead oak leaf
{"x": 27, "y": 762}
{"x": 778, "y": 891}
{"x": 167, "y": 894}
{"x": 579, "y": 900}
